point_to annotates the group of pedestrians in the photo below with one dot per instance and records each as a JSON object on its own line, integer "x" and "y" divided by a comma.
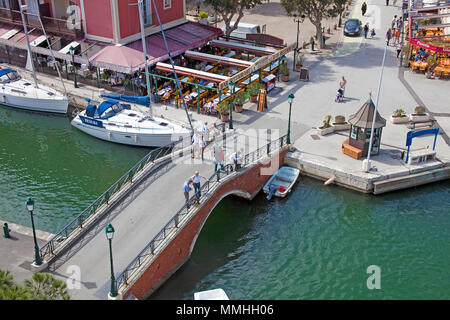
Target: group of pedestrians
{"x": 393, "y": 34}
{"x": 201, "y": 139}
{"x": 366, "y": 26}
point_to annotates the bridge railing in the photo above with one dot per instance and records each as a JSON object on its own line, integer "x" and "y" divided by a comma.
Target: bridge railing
{"x": 58, "y": 239}
{"x": 174, "y": 223}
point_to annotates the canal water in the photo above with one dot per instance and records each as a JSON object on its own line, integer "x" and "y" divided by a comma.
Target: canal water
{"x": 315, "y": 244}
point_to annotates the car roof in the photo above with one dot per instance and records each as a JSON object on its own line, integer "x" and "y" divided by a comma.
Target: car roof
{"x": 351, "y": 20}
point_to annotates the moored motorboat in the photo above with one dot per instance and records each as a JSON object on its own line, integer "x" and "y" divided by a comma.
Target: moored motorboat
{"x": 114, "y": 121}
{"x": 281, "y": 183}
{"x": 17, "y": 92}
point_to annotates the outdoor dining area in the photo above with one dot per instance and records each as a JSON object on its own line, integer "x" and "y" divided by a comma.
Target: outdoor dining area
{"x": 204, "y": 76}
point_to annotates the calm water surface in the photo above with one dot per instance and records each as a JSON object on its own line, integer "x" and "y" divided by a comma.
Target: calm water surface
{"x": 62, "y": 168}
{"x": 315, "y": 244}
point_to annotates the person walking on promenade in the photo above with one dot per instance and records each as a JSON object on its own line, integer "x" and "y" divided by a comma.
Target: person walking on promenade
{"x": 342, "y": 85}
{"x": 388, "y": 36}
{"x": 394, "y": 22}
{"x": 196, "y": 178}
{"x": 202, "y": 145}
{"x": 205, "y": 131}
{"x": 186, "y": 189}
{"x": 363, "y": 9}
{"x": 218, "y": 156}
{"x": 387, "y": 2}
{"x": 399, "y": 49}
{"x": 366, "y": 30}
{"x": 195, "y": 144}
{"x": 397, "y": 36}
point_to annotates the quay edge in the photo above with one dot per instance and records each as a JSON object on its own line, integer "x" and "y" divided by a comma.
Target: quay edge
{"x": 366, "y": 183}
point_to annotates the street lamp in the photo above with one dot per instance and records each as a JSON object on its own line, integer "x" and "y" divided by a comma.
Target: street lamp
{"x": 299, "y": 20}
{"x": 109, "y": 230}
{"x": 231, "y": 89}
{"x": 290, "y": 99}
{"x": 72, "y": 52}
{"x": 37, "y": 257}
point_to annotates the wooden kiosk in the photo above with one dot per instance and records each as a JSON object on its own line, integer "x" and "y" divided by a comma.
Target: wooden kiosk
{"x": 357, "y": 145}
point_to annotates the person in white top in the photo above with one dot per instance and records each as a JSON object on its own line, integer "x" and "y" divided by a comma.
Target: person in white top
{"x": 196, "y": 178}
{"x": 195, "y": 144}
{"x": 218, "y": 156}
{"x": 205, "y": 131}
{"x": 202, "y": 145}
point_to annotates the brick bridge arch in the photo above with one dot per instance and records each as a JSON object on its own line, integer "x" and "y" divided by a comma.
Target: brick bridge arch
{"x": 246, "y": 183}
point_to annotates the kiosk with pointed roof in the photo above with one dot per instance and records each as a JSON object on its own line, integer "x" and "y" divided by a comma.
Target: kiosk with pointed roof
{"x": 357, "y": 145}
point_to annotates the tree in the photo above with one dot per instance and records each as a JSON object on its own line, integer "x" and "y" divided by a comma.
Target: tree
{"x": 338, "y": 8}
{"x": 315, "y": 10}
{"x": 42, "y": 286}
{"x": 227, "y": 9}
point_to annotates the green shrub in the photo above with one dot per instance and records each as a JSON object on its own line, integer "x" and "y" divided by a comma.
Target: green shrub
{"x": 326, "y": 122}
{"x": 399, "y": 113}
{"x": 224, "y": 108}
{"x": 203, "y": 15}
{"x": 253, "y": 88}
{"x": 284, "y": 70}
{"x": 239, "y": 99}
{"x": 420, "y": 110}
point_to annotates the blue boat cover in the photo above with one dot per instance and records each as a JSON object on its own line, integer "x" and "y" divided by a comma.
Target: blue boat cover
{"x": 5, "y": 71}
{"x": 90, "y": 110}
{"x": 142, "y": 100}
{"x": 105, "y": 105}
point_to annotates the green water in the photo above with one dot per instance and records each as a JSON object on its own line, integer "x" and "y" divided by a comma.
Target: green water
{"x": 62, "y": 168}
{"x": 315, "y": 244}
{"x": 318, "y": 243}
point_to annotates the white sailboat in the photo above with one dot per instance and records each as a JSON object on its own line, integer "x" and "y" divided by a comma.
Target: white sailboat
{"x": 114, "y": 121}
{"x": 19, "y": 93}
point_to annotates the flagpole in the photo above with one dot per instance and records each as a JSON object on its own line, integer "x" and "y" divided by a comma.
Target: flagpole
{"x": 367, "y": 166}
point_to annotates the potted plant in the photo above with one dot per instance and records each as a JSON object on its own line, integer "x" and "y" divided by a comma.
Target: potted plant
{"x": 253, "y": 90}
{"x": 326, "y": 128}
{"x": 340, "y": 124}
{"x": 224, "y": 110}
{"x": 284, "y": 71}
{"x": 399, "y": 116}
{"x": 203, "y": 17}
{"x": 419, "y": 114}
{"x": 299, "y": 62}
{"x": 239, "y": 100}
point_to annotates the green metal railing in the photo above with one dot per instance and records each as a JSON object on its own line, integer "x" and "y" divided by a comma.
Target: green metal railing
{"x": 212, "y": 183}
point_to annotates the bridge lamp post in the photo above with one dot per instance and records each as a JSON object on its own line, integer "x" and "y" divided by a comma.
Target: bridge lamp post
{"x": 109, "y": 230}
{"x": 299, "y": 20}
{"x": 72, "y": 52}
{"x": 231, "y": 86}
{"x": 37, "y": 257}
{"x": 290, "y": 99}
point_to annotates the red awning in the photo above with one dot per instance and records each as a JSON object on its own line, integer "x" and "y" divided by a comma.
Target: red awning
{"x": 179, "y": 39}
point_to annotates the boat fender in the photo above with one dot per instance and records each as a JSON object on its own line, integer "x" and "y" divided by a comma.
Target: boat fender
{"x": 136, "y": 138}
{"x": 109, "y": 135}
{"x": 331, "y": 180}
{"x": 282, "y": 189}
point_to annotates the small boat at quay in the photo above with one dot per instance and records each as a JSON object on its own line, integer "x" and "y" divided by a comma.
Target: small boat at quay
{"x": 281, "y": 183}
{"x": 215, "y": 294}
{"x": 17, "y": 92}
{"x": 114, "y": 121}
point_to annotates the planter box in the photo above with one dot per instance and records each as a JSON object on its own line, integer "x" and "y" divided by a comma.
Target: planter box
{"x": 417, "y": 118}
{"x": 341, "y": 126}
{"x": 238, "y": 108}
{"x": 253, "y": 98}
{"x": 395, "y": 120}
{"x": 325, "y": 131}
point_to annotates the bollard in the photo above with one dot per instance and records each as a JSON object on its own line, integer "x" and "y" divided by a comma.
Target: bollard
{"x": 6, "y": 231}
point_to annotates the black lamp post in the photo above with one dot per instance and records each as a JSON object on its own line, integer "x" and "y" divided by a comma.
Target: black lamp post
{"x": 37, "y": 257}
{"x": 109, "y": 230}
{"x": 231, "y": 89}
{"x": 72, "y": 52}
{"x": 299, "y": 20}
{"x": 290, "y": 98}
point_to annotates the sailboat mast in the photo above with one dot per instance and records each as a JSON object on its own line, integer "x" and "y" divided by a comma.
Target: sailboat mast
{"x": 28, "y": 42}
{"x": 144, "y": 47}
